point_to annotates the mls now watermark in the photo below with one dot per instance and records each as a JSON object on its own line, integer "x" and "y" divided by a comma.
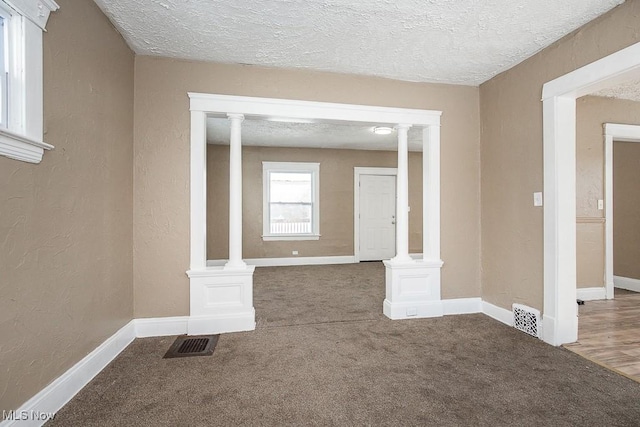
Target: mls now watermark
{"x": 27, "y": 416}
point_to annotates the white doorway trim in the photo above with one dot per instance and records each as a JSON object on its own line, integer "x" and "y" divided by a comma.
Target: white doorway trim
{"x": 357, "y": 173}
{"x": 560, "y": 322}
{"x": 221, "y": 298}
{"x": 612, "y": 132}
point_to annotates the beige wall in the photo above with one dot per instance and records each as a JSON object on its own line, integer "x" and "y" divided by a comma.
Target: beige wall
{"x": 336, "y": 200}
{"x": 161, "y": 164}
{"x": 66, "y": 223}
{"x": 511, "y": 157}
{"x": 626, "y": 209}
{"x": 591, "y": 114}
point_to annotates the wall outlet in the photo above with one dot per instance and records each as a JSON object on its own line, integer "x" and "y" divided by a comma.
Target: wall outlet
{"x": 412, "y": 311}
{"x": 294, "y": 252}
{"x": 537, "y": 199}
{"x": 600, "y": 204}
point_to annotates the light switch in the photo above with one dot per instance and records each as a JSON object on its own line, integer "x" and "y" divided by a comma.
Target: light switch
{"x": 537, "y": 199}
{"x": 600, "y": 204}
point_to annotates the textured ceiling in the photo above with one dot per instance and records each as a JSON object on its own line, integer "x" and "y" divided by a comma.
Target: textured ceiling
{"x": 629, "y": 90}
{"x": 310, "y": 135}
{"x": 448, "y": 41}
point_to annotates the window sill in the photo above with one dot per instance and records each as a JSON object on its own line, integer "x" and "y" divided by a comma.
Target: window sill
{"x": 273, "y": 237}
{"x": 20, "y": 147}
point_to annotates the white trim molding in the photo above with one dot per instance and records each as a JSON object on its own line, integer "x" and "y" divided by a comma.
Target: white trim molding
{"x": 283, "y": 262}
{"x": 21, "y": 136}
{"x": 591, "y": 294}
{"x": 54, "y": 396}
{"x": 57, "y": 394}
{"x": 498, "y": 313}
{"x": 37, "y": 11}
{"x": 210, "y": 298}
{"x": 560, "y": 321}
{"x": 461, "y": 306}
{"x": 20, "y": 147}
{"x": 302, "y": 111}
{"x": 161, "y": 326}
{"x": 627, "y": 283}
{"x": 612, "y": 132}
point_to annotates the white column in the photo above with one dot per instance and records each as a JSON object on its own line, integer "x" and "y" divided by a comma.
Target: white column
{"x": 402, "y": 195}
{"x": 431, "y": 193}
{"x": 235, "y": 194}
{"x": 560, "y": 318}
{"x": 198, "y": 190}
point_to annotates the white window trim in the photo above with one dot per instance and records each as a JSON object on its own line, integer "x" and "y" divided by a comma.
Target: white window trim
{"x": 314, "y": 169}
{"x": 22, "y": 140}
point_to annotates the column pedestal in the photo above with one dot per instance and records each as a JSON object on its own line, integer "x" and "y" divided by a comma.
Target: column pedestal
{"x": 221, "y": 300}
{"x": 412, "y": 290}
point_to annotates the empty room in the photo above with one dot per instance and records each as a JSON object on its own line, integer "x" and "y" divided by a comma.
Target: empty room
{"x": 319, "y": 212}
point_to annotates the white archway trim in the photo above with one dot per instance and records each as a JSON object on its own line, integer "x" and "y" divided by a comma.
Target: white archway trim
{"x": 221, "y": 300}
{"x": 560, "y": 322}
{"x": 612, "y": 132}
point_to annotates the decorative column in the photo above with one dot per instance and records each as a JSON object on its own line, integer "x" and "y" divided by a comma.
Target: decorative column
{"x": 402, "y": 198}
{"x": 413, "y": 288}
{"x": 235, "y": 194}
{"x": 220, "y": 298}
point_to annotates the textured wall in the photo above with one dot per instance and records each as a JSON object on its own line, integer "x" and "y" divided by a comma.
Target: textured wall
{"x": 511, "y": 116}
{"x": 591, "y": 113}
{"x": 626, "y": 209}
{"x": 161, "y": 164}
{"x": 336, "y": 200}
{"x": 66, "y": 223}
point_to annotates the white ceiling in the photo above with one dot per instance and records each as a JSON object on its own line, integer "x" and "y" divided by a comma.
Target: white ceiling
{"x": 447, "y": 41}
{"x": 629, "y": 91}
{"x": 310, "y": 135}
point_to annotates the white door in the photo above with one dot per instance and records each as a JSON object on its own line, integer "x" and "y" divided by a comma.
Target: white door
{"x": 377, "y": 217}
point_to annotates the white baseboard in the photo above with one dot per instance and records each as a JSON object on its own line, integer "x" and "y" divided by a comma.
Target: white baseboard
{"x": 208, "y": 325}
{"x": 161, "y": 326}
{"x": 462, "y": 306}
{"x": 284, "y": 262}
{"x": 309, "y": 260}
{"x": 500, "y": 314}
{"x": 412, "y": 310}
{"x": 591, "y": 294}
{"x": 626, "y": 283}
{"x": 54, "y": 396}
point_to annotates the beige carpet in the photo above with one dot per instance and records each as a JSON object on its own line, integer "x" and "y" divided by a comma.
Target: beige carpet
{"x": 324, "y": 355}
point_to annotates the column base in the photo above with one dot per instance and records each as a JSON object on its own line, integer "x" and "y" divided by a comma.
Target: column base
{"x": 412, "y": 290}
{"x": 221, "y": 300}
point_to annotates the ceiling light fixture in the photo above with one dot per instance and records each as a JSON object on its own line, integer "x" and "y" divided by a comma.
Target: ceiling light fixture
{"x": 382, "y": 130}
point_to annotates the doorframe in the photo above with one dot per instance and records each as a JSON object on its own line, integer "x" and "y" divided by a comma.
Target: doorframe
{"x": 560, "y": 321}
{"x": 612, "y": 132}
{"x": 357, "y": 173}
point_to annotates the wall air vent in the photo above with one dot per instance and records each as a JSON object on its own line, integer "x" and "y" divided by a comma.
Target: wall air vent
{"x": 527, "y": 320}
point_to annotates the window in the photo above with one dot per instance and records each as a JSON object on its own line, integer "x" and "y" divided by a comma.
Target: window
{"x": 21, "y": 113}
{"x": 5, "y": 19}
{"x": 290, "y": 201}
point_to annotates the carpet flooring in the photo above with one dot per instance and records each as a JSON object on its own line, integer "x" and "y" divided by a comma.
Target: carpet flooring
{"x": 324, "y": 355}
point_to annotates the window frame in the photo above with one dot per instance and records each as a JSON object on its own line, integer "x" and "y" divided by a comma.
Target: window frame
{"x": 22, "y": 138}
{"x": 285, "y": 167}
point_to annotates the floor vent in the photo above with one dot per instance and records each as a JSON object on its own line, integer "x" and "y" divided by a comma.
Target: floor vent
{"x": 527, "y": 320}
{"x": 185, "y": 346}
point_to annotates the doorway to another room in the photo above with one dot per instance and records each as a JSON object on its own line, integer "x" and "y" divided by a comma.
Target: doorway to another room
{"x": 374, "y": 213}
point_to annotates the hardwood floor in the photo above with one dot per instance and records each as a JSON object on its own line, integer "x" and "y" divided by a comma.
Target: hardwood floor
{"x": 609, "y": 333}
